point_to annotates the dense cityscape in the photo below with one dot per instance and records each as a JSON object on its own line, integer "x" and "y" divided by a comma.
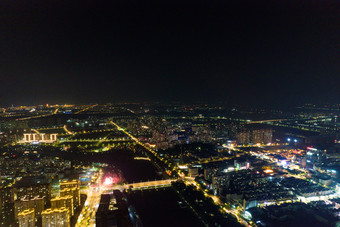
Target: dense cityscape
{"x": 86, "y": 165}
{"x": 170, "y": 113}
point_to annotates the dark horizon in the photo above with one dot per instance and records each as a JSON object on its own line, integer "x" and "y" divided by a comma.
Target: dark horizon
{"x": 243, "y": 53}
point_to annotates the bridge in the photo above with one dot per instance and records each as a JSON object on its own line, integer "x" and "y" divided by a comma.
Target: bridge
{"x": 139, "y": 185}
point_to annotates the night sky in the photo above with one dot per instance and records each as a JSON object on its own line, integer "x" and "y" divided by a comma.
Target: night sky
{"x": 243, "y": 52}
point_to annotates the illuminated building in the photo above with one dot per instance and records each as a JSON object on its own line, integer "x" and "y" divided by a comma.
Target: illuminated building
{"x": 193, "y": 172}
{"x": 66, "y": 201}
{"x": 75, "y": 193}
{"x": 37, "y": 204}
{"x": 29, "y": 190}
{"x": 70, "y": 184}
{"x": 243, "y": 137}
{"x": 26, "y": 218}
{"x": 6, "y": 195}
{"x": 41, "y": 138}
{"x": 56, "y": 217}
{"x": 7, "y": 205}
{"x": 262, "y": 136}
{"x": 72, "y": 188}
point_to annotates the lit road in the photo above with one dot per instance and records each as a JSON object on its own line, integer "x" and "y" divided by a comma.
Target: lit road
{"x": 99, "y": 141}
{"x": 264, "y": 121}
{"x": 67, "y": 131}
{"x": 87, "y": 108}
{"x": 36, "y": 131}
{"x": 56, "y": 111}
{"x": 33, "y": 117}
{"x": 213, "y": 160}
{"x": 134, "y": 138}
{"x": 87, "y": 216}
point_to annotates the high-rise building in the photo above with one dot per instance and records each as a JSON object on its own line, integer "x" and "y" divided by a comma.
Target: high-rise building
{"x": 28, "y": 189}
{"x": 107, "y": 213}
{"x": 56, "y": 217}
{"x": 257, "y": 136}
{"x": 70, "y": 184}
{"x": 74, "y": 186}
{"x": 66, "y": 201}
{"x": 193, "y": 171}
{"x": 262, "y": 136}
{"x": 27, "y": 218}
{"x": 23, "y": 204}
{"x": 75, "y": 193}
{"x": 6, "y": 205}
{"x": 113, "y": 211}
{"x": 6, "y": 195}
{"x": 267, "y": 136}
{"x": 243, "y": 137}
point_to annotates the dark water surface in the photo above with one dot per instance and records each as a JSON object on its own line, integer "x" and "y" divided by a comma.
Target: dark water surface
{"x": 160, "y": 207}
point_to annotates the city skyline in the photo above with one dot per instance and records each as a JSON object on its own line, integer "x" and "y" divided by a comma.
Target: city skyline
{"x": 134, "y": 164}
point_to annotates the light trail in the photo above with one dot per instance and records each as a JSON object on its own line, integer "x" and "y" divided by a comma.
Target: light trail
{"x": 56, "y": 111}
{"x": 33, "y": 117}
{"x": 134, "y": 138}
{"x": 264, "y": 121}
{"x": 142, "y": 158}
{"x": 87, "y": 108}
{"x": 67, "y": 131}
{"x": 36, "y": 131}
